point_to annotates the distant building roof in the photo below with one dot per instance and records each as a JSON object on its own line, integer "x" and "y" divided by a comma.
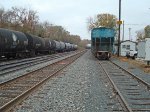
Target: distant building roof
{"x": 128, "y": 41}
{"x": 116, "y": 42}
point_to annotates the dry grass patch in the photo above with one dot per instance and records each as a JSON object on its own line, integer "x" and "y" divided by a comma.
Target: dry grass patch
{"x": 136, "y": 63}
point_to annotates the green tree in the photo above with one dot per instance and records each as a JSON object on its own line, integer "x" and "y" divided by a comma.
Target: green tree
{"x": 102, "y": 20}
{"x": 147, "y": 31}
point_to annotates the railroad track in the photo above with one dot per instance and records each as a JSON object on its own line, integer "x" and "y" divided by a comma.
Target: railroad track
{"x": 14, "y": 91}
{"x": 132, "y": 91}
{"x": 10, "y": 62}
{"x": 6, "y": 68}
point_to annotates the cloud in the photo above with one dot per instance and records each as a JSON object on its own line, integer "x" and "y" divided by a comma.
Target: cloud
{"x": 72, "y": 14}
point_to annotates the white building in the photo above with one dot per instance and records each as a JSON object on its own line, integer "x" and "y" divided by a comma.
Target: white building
{"x": 126, "y": 46}
{"x": 144, "y": 49}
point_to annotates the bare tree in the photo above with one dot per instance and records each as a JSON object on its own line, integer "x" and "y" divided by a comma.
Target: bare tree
{"x": 84, "y": 42}
{"x": 2, "y": 20}
{"x": 140, "y": 34}
{"x": 27, "y": 20}
{"x": 32, "y": 20}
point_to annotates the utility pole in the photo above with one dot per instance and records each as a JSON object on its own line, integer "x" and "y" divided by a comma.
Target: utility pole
{"x": 119, "y": 28}
{"x": 123, "y": 31}
{"x": 130, "y": 34}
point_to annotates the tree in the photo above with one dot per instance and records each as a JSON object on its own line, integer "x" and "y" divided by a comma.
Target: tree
{"x": 2, "y": 12}
{"x": 27, "y": 20}
{"x": 102, "y": 20}
{"x": 147, "y": 31}
{"x": 20, "y": 19}
{"x": 84, "y": 42}
{"x": 140, "y": 34}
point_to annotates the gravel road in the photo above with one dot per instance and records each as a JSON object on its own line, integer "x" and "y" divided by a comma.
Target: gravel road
{"x": 81, "y": 87}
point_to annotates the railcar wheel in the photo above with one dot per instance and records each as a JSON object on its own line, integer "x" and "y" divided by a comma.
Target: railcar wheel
{"x": 14, "y": 56}
{"x": 32, "y": 53}
{"x": 8, "y": 57}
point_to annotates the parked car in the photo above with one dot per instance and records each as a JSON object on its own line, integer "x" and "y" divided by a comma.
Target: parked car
{"x": 131, "y": 54}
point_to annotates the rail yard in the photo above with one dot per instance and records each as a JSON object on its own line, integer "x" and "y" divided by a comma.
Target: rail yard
{"x": 74, "y": 56}
{"x": 73, "y": 82}
{"x": 13, "y": 90}
{"x": 39, "y": 74}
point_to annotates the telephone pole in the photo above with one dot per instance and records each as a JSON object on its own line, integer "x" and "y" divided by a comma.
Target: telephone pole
{"x": 123, "y": 31}
{"x": 119, "y": 27}
{"x": 130, "y": 34}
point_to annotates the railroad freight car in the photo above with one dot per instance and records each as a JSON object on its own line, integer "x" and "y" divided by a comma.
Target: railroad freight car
{"x": 75, "y": 47}
{"x": 55, "y": 46}
{"x": 70, "y": 46}
{"x": 102, "y": 40}
{"x": 35, "y": 44}
{"x": 62, "y": 46}
{"x": 67, "y": 46}
{"x": 48, "y": 46}
{"x": 12, "y": 43}
{"x": 88, "y": 46}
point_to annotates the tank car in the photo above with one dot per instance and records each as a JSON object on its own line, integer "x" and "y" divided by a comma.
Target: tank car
{"x": 102, "y": 40}
{"x": 72, "y": 47}
{"x": 88, "y": 46}
{"x": 12, "y": 43}
{"x": 66, "y": 46}
{"x": 55, "y": 46}
{"x": 76, "y": 47}
{"x": 18, "y": 44}
{"x": 35, "y": 44}
{"x": 48, "y": 46}
{"x": 62, "y": 46}
{"x": 69, "y": 47}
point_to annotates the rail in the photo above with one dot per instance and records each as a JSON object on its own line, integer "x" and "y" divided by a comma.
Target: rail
{"x": 17, "y": 99}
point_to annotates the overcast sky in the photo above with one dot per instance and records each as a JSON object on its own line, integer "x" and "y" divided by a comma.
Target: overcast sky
{"x": 73, "y": 14}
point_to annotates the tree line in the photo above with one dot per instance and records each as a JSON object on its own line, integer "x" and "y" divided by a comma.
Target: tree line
{"x": 144, "y": 33}
{"x": 110, "y": 21}
{"x": 103, "y": 20}
{"x": 27, "y": 21}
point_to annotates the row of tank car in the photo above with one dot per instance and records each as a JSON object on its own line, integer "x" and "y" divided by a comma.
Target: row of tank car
{"x": 14, "y": 44}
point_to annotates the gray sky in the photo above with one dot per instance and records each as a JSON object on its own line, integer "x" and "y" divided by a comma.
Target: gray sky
{"x": 73, "y": 14}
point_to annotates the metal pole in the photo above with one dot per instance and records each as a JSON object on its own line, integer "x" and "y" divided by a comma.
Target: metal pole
{"x": 130, "y": 34}
{"x": 119, "y": 28}
{"x": 123, "y": 32}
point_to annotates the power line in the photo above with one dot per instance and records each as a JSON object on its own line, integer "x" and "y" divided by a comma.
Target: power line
{"x": 137, "y": 24}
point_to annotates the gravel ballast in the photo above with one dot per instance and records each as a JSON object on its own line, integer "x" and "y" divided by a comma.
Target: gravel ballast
{"x": 10, "y": 76}
{"x": 81, "y": 87}
{"x": 133, "y": 69}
